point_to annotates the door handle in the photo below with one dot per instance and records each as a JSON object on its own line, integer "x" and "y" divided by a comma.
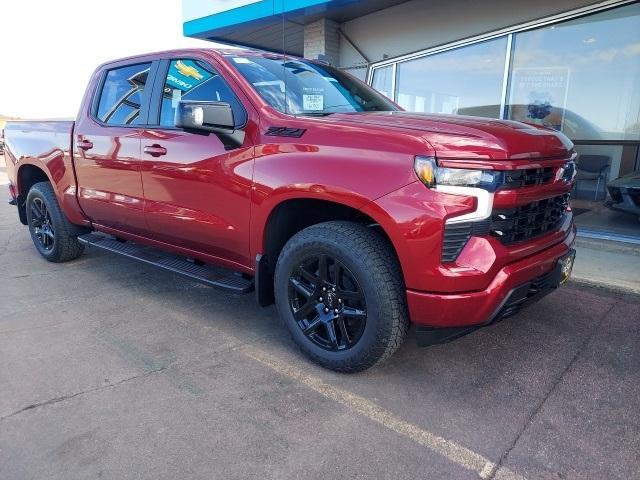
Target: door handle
{"x": 84, "y": 144}
{"x": 155, "y": 150}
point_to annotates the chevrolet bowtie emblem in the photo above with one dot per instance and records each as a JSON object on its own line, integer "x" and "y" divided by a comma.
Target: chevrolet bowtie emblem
{"x": 188, "y": 71}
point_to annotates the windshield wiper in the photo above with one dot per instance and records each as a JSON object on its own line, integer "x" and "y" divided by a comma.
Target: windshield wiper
{"x": 316, "y": 114}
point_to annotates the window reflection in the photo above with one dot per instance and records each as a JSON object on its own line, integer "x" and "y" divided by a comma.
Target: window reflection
{"x": 383, "y": 81}
{"x": 194, "y": 80}
{"x": 581, "y": 76}
{"x": 121, "y": 95}
{"x": 441, "y": 83}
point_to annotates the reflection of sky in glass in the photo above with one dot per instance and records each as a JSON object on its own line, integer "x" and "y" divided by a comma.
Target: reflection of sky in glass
{"x": 453, "y": 81}
{"x": 601, "y": 54}
{"x": 382, "y": 80}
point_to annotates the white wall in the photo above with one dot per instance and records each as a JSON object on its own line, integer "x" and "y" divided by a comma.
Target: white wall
{"x": 421, "y": 24}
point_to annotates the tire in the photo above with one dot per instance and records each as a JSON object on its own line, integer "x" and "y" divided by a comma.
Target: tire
{"x": 362, "y": 268}
{"x": 53, "y": 235}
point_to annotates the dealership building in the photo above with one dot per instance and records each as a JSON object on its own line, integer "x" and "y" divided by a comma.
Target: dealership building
{"x": 572, "y": 65}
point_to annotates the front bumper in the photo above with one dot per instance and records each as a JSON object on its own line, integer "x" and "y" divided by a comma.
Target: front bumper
{"x": 477, "y": 308}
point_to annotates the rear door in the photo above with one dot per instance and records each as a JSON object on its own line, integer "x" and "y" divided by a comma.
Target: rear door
{"x": 197, "y": 186}
{"x": 107, "y": 143}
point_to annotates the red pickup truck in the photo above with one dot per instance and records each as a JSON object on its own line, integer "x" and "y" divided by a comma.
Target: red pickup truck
{"x": 250, "y": 171}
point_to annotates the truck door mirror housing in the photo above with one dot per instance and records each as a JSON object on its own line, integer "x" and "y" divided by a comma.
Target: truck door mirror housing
{"x": 214, "y": 117}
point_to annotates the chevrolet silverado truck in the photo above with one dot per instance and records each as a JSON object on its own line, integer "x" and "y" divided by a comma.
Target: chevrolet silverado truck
{"x": 256, "y": 172}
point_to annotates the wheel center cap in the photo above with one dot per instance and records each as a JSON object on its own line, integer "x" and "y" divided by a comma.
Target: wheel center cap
{"x": 332, "y": 300}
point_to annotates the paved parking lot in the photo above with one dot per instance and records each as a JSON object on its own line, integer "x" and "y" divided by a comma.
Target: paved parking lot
{"x": 112, "y": 369}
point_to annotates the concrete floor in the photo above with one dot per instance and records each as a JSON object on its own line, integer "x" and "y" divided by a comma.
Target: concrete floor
{"x": 112, "y": 369}
{"x": 615, "y": 265}
{"x": 600, "y": 218}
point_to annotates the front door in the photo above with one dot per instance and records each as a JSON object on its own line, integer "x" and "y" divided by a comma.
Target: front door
{"x": 107, "y": 152}
{"x": 197, "y": 187}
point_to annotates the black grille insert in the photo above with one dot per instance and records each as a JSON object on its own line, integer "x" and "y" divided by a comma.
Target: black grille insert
{"x": 530, "y": 292}
{"x": 528, "y": 177}
{"x": 528, "y": 221}
{"x": 456, "y": 236}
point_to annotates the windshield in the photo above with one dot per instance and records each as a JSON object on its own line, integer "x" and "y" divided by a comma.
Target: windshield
{"x": 311, "y": 89}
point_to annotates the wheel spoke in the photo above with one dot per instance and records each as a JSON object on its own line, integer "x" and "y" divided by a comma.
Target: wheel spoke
{"x": 348, "y": 295}
{"x": 304, "y": 311}
{"x": 313, "y": 326}
{"x": 323, "y": 268}
{"x": 308, "y": 276}
{"x": 331, "y": 334}
{"x": 353, "y": 312}
{"x": 343, "y": 331}
{"x": 339, "y": 275}
{"x": 36, "y": 213}
{"x": 301, "y": 288}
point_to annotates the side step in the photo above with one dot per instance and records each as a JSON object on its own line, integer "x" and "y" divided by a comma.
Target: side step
{"x": 209, "y": 275}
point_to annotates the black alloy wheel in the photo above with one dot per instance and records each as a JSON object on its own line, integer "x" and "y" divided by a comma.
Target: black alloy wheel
{"x": 340, "y": 292}
{"x": 327, "y": 302}
{"x": 55, "y": 238}
{"x": 42, "y": 225}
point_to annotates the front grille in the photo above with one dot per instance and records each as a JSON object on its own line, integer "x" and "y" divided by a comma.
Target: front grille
{"x": 529, "y": 176}
{"x": 528, "y": 221}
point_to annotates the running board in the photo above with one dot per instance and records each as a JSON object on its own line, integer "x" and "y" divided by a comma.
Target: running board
{"x": 209, "y": 275}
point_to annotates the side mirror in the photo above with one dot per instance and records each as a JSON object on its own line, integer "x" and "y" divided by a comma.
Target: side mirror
{"x": 215, "y": 117}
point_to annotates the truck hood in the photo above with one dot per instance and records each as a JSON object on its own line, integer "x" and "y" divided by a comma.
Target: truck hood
{"x": 463, "y": 137}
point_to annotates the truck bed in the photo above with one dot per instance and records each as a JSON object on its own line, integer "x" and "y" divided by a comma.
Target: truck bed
{"x": 38, "y": 139}
{"x": 40, "y": 150}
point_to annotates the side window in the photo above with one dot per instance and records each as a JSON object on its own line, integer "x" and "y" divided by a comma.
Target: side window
{"x": 195, "y": 80}
{"x": 121, "y": 95}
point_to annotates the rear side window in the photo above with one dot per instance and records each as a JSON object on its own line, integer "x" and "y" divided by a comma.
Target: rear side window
{"x": 194, "y": 80}
{"x": 122, "y": 93}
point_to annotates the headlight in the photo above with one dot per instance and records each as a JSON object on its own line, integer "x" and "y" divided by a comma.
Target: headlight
{"x": 431, "y": 175}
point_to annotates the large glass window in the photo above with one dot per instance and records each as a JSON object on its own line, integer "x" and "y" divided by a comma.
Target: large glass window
{"x": 383, "y": 80}
{"x": 580, "y": 76}
{"x": 194, "y": 80}
{"x": 464, "y": 81}
{"x": 121, "y": 95}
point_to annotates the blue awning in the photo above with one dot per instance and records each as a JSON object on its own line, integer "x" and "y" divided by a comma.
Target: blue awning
{"x": 259, "y": 23}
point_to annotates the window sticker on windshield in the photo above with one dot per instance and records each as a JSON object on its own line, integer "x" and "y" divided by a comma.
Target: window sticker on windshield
{"x": 241, "y": 60}
{"x": 312, "y": 102}
{"x": 176, "y": 96}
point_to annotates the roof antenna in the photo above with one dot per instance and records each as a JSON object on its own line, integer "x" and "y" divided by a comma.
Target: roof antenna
{"x": 284, "y": 61}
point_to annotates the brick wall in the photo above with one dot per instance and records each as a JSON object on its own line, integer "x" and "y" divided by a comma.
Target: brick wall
{"x": 321, "y": 38}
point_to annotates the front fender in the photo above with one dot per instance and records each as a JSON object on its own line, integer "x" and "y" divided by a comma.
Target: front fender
{"x": 349, "y": 176}
{"x": 264, "y": 203}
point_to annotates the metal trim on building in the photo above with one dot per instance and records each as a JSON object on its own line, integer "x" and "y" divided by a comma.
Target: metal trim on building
{"x": 557, "y": 18}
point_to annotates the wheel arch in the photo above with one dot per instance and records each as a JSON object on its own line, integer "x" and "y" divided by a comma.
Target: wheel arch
{"x": 291, "y": 215}
{"x": 28, "y": 175}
